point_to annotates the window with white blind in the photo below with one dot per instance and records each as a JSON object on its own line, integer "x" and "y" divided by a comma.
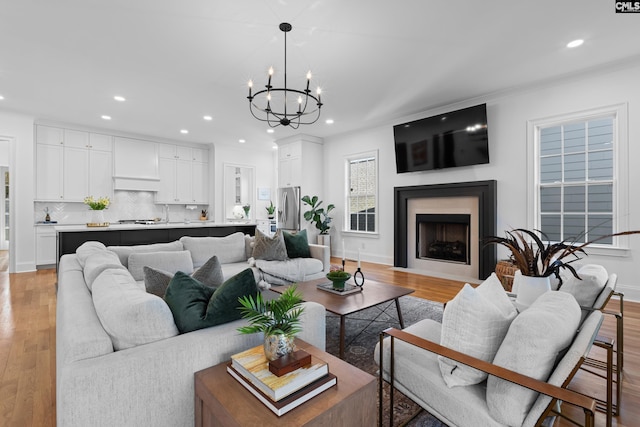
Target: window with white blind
{"x": 577, "y": 177}
{"x": 362, "y": 192}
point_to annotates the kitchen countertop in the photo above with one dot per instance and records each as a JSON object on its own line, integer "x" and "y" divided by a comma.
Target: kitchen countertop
{"x": 159, "y": 225}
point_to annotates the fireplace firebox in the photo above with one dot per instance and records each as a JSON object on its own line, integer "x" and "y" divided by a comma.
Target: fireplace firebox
{"x": 443, "y": 237}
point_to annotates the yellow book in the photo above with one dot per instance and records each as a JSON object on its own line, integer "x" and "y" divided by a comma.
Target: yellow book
{"x": 253, "y": 365}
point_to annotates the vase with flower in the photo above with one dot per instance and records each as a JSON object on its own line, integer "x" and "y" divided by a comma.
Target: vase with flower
{"x": 97, "y": 207}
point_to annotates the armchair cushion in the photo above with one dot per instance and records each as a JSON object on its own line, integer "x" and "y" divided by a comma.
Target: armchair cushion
{"x": 534, "y": 343}
{"x": 475, "y": 322}
{"x": 594, "y": 278}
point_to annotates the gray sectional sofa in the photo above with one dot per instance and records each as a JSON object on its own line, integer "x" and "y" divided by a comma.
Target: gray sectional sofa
{"x": 120, "y": 359}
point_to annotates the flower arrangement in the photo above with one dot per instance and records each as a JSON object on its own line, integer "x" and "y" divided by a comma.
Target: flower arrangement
{"x": 246, "y": 208}
{"x": 97, "y": 205}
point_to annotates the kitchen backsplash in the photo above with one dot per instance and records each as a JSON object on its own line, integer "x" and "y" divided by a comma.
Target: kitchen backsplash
{"x": 124, "y": 205}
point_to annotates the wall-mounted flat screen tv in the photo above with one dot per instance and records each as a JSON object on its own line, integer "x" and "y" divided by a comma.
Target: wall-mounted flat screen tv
{"x": 454, "y": 139}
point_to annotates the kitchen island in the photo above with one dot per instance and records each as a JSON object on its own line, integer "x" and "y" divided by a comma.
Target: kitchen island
{"x": 70, "y": 237}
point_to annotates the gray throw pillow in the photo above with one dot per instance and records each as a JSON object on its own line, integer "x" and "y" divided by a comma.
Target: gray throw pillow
{"x": 210, "y": 274}
{"x": 269, "y": 248}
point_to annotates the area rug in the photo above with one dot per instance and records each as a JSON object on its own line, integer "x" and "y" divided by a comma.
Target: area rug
{"x": 363, "y": 333}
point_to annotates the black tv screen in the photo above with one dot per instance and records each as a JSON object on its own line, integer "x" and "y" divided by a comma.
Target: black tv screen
{"x": 458, "y": 138}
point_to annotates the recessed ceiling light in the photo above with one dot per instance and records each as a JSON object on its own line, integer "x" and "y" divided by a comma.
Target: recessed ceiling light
{"x": 575, "y": 43}
{"x": 208, "y": 118}
{"x": 329, "y": 121}
{"x": 119, "y": 98}
{"x": 105, "y": 117}
{"x": 185, "y": 131}
{"x": 275, "y": 146}
{"x": 1, "y": 97}
{"x": 241, "y": 141}
{"x": 270, "y": 131}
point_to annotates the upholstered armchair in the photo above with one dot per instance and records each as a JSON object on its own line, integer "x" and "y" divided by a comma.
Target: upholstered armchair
{"x": 520, "y": 382}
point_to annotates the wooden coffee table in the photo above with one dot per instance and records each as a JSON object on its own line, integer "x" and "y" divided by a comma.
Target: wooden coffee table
{"x": 220, "y": 400}
{"x": 373, "y": 293}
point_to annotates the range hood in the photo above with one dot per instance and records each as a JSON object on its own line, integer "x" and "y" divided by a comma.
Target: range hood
{"x": 136, "y": 183}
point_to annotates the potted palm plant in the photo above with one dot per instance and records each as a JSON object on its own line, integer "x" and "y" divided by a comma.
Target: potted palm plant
{"x": 271, "y": 210}
{"x": 319, "y": 217}
{"x": 278, "y": 319}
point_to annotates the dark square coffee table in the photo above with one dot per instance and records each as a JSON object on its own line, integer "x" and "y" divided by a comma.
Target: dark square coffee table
{"x": 373, "y": 293}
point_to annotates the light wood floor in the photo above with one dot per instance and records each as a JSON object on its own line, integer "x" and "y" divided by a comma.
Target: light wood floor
{"x": 27, "y": 344}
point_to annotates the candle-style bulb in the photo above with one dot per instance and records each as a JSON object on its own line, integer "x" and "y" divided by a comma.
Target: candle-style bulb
{"x": 270, "y": 71}
{"x": 308, "y": 75}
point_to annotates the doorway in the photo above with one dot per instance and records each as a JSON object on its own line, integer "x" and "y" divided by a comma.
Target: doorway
{"x": 5, "y": 203}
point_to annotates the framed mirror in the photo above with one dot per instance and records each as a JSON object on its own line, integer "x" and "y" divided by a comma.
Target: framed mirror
{"x": 239, "y": 192}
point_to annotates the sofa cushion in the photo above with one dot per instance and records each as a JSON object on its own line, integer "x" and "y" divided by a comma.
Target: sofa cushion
{"x": 170, "y": 262}
{"x": 128, "y": 314}
{"x": 97, "y": 262}
{"x": 594, "y": 278}
{"x": 475, "y": 322}
{"x": 536, "y": 339}
{"x": 88, "y": 248}
{"x": 297, "y": 244}
{"x": 270, "y": 248}
{"x": 195, "y": 306}
{"x": 230, "y": 248}
{"x": 156, "y": 281}
{"x": 123, "y": 252}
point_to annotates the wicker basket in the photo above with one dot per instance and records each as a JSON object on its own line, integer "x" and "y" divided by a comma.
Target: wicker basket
{"x": 505, "y": 270}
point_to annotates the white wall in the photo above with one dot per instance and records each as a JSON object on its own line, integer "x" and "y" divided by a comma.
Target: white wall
{"x": 265, "y": 163}
{"x": 19, "y": 129}
{"x": 508, "y": 114}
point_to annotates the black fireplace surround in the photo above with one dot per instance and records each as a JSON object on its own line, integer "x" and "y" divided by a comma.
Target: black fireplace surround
{"x": 485, "y": 191}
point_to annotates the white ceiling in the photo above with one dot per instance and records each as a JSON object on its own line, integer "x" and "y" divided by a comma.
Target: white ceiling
{"x": 376, "y": 60}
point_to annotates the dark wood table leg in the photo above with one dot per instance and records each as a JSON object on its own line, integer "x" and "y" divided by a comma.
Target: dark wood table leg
{"x": 342, "y": 318}
{"x": 399, "y": 314}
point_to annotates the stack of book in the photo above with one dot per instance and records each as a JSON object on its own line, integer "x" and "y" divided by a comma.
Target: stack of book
{"x": 287, "y": 391}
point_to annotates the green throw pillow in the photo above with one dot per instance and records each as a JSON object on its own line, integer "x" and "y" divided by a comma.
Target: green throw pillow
{"x": 297, "y": 244}
{"x": 196, "y": 306}
{"x": 157, "y": 281}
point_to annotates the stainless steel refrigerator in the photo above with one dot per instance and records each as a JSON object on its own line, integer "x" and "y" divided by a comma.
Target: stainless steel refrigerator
{"x": 289, "y": 208}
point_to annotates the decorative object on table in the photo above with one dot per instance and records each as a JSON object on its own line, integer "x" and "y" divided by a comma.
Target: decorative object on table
{"x": 271, "y": 96}
{"x": 358, "y": 277}
{"x": 246, "y": 208}
{"x": 238, "y": 212}
{"x": 280, "y": 393}
{"x": 271, "y": 210}
{"x": 97, "y": 207}
{"x": 506, "y": 270}
{"x": 203, "y": 215}
{"x": 278, "y": 319}
{"x": 537, "y": 259}
{"x": 338, "y": 279}
{"x": 347, "y": 290}
{"x": 318, "y": 216}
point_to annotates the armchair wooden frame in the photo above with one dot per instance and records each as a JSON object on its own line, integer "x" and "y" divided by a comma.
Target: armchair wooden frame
{"x": 556, "y": 393}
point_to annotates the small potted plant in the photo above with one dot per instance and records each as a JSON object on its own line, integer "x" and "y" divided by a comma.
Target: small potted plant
{"x": 278, "y": 319}
{"x": 203, "y": 215}
{"x": 338, "y": 278}
{"x": 271, "y": 210}
{"x": 319, "y": 217}
{"x": 246, "y": 207}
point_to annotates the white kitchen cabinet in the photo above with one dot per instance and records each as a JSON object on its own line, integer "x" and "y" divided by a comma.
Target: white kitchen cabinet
{"x": 183, "y": 175}
{"x": 45, "y": 246}
{"x": 71, "y": 164}
{"x": 300, "y": 164}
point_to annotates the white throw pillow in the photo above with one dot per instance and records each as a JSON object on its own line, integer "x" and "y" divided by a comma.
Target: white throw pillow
{"x": 594, "y": 278}
{"x": 171, "y": 262}
{"x": 129, "y": 314}
{"x": 534, "y": 342}
{"x": 475, "y": 323}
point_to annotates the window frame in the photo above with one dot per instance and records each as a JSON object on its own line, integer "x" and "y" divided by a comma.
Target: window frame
{"x": 347, "y": 190}
{"x": 619, "y": 113}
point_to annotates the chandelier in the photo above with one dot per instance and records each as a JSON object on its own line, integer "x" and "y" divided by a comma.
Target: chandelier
{"x": 295, "y": 107}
